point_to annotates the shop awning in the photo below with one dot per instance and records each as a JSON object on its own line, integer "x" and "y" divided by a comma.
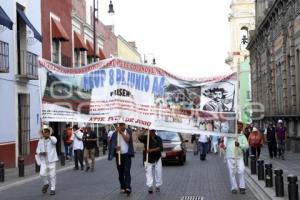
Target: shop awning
{"x": 90, "y": 47}
{"x": 5, "y": 20}
{"x": 79, "y": 42}
{"x": 101, "y": 54}
{"x": 58, "y": 31}
{"x": 22, "y": 15}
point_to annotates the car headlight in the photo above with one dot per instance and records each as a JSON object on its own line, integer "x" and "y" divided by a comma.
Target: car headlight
{"x": 177, "y": 148}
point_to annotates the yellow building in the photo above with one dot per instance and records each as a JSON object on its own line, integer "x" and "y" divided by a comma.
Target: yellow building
{"x": 242, "y": 21}
{"x": 128, "y": 50}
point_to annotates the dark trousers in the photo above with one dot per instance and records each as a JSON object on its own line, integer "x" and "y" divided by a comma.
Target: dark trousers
{"x": 255, "y": 151}
{"x": 272, "y": 146}
{"x": 246, "y": 155}
{"x": 203, "y": 150}
{"x": 124, "y": 171}
{"x": 78, "y": 156}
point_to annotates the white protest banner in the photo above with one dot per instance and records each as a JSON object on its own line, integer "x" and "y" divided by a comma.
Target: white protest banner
{"x": 141, "y": 95}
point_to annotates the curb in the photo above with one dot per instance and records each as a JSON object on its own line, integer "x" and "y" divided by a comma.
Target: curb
{"x": 37, "y": 176}
{"x": 258, "y": 187}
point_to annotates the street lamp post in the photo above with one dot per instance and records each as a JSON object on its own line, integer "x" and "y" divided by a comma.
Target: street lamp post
{"x": 110, "y": 11}
{"x": 153, "y": 59}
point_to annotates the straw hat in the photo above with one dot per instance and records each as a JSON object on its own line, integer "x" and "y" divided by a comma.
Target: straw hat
{"x": 48, "y": 128}
{"x": 280, "y": 121}
{"x": 254, "y": 129}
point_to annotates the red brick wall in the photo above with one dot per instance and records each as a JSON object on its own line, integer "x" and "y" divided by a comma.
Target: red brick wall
{"x": 62, "y": 9}
{"x": 8, "y": 154}
{"x": 79, "y": 7}
{"x": 30, "y": 159}
{"x": 110, "y": 40}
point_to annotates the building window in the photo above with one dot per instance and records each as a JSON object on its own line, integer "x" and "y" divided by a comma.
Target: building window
{"x": 249, "y": 95}
{"x": 24, "y": 123}
{"x": 55, "y": 51}
{"x": 82, "y": 54}
{"x": 76, "y": 58}
{"x": 298, "y": 58}
{"x": 90, "y": 59}
{"x": 244, "y": 38}
{"x": 21, "y": 42}
{"x": 4, "y": 58}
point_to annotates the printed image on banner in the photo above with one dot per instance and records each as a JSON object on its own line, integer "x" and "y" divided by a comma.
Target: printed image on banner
{"x": 218, "y": 97}
{"x": 145, "y": 96}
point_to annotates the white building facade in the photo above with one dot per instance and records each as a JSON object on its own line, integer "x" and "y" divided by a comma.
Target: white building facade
{"x": 20, "y": 47}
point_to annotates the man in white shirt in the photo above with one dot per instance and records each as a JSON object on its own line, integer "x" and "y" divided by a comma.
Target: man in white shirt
{"x": 203, "y": 142}
{"x": 121, "y": 144}
{"x": 47, "y": 157}
{"x": 78, "y": 147}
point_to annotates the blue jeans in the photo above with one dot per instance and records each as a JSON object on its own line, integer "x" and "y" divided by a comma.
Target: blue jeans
{"x": 68, "y": 150}
{"x": 203, "y": 149}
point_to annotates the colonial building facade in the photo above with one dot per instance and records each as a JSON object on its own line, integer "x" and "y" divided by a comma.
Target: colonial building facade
{"x": 275, "y": 65}
{"x": 241, "y": 20}
{"x": 20, "y": 47}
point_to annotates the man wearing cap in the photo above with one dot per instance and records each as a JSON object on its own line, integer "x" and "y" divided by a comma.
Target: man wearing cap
{"x": 121, "y": 143}
{"x": 281, "y": 138}
{"x": 154, "y": 159}
{"x": 255, "y": 141}
{"x": 47, "y": 156}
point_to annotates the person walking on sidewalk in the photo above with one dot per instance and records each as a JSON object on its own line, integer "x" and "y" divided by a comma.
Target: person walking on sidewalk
{"x": 67, "y": 138}
{"x": 270, "y": 137}
{"x": 78, "y": 146}
{"x": 90, "y": 144}
{"x": 121, "y": 143}
{"x": 47, "y": 157}
{"x": 255, "y": 140}
{"x": 154, "y": 159}
{"x": 281, "y": 138}
{"x": 203, "y": 145}
{"x": 235, "y": 161}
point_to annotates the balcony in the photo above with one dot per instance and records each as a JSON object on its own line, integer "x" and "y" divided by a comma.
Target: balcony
{"x": 28, "y": 66}
{"x": 4, "y": 57}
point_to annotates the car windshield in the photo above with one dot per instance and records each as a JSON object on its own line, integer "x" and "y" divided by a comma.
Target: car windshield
{"x": 168, "y": 136}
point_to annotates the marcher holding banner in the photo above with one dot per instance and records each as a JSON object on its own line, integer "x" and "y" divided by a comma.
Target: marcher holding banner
{"x": 90, "y": 145}
{"x": 154, "y": 150}
{"x": 78, "y": 146}
{"x": 46, "y": 152}
{"x": 235, "y": 161}
{"x": 126, "y": 150}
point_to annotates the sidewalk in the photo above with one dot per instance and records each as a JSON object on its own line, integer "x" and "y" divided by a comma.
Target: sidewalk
{"x": 12, "y": 175}
{"x": 291, "y": 165}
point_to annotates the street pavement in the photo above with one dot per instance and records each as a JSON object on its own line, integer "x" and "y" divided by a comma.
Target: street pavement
{"x": 207, "y": 179}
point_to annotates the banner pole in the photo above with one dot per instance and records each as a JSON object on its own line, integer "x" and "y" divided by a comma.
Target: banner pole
{"x": 148, "y": 141}
{"x": 236, "y": 116}
{"x": 119, "y": 151}
{"x": 41, "y": 101}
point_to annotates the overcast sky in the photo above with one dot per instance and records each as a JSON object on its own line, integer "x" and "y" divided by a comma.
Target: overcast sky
{"x": 187, "y": 37}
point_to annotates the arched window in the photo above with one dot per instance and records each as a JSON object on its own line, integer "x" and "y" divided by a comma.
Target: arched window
{"x": 244, "y": 38}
